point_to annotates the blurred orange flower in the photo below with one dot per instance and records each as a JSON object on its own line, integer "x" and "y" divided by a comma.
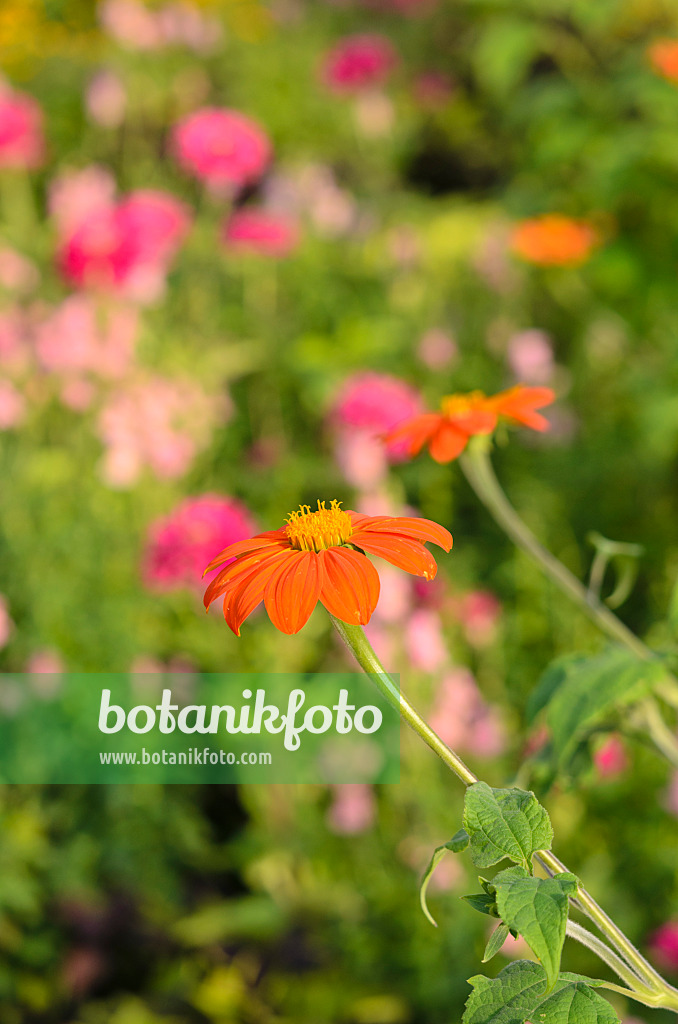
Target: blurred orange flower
{"x": 663, "y": 56}
{"x": 554, "y": 240}
{"x": 462, "y": 416}
{"x": 320, "y": 556}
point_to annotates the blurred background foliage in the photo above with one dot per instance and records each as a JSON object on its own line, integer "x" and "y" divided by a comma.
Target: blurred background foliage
{"x": 299, "y": 904}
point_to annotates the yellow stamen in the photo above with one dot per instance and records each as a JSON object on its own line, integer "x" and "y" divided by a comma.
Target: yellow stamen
{"x": 316, "y": 531}
{"x": 458, "y": 405}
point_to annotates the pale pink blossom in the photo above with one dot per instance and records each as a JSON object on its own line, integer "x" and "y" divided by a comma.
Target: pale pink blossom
{"x": 106, "y": 99}
{"x": 14, "y": 341}
{"x": 383, "y": 640}
{"x": 437, "y": 349}
{"x": 332, "y": 209}
{"x": 410, "y": 8}
{"x": 487, "y": 734}
{"x": 45, "y": 662}
{"x": 479, "y": 612}
{"x": 131, "y": 24}
{"x": 180, "y": 545}
{"x": 359, "y": 62}
{"x": 22, "y": 143}
{"x": 375, "y": 403}
{"x": 611, "y": 759}
{"x": 221, "y": 147}
{"x": 663, "y": 944}
{"x": 361, "y": 458}
{"x": 77, "y": 393}
{"x": 83, "y": 337}
{"x": 75, "y": 196}
{"x": 12, "y": 405}
{"x": 159, "y": 424}
{"x": 17, "y": 273}
{"x": 6, "y": 624}
{"x": 184, "y": 24}
{"x": 259, "y": 232}
{"x": 353, "y": 809}
{"x": 424, "y": 640}
{"x": 463, "y": 719}
{"x": 515, "y": 949}
{"x": 530, "y": 356}
{"x": 395, "y": 597}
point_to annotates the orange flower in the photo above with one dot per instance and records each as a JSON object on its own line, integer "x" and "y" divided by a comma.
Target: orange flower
{"x": 462, "y": 416}
{"x": 664, "y": 58}
{"x": 554, "y": 241}
{"x": 320, "y": 556}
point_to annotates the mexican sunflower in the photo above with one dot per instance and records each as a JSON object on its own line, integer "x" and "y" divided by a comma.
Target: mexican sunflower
{"x": 462, "y": 416}
{"x": 320, "y": 556}
{"x": 554, "y": 240}
{"x": 663, "y": 56}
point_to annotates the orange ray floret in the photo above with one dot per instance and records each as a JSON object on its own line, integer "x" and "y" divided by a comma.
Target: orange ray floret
{"x": 461, "y": 417}
{"x": 320, "y": 556}
{"x": 663, "y": 56}
{"x": 554, "y": 240}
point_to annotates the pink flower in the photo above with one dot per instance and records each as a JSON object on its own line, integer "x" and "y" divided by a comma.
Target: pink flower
{"x": 463, "y": 719}
{"x": 158, "y": 423}
{"x": 611, "y": 758}
{"x": 131, "y": 24}
{"x": 221, "y": 147}
{"x": 353, "y": 809}
{"x": 256, "y": 231}
{"x": 361, "y": 458}
{"x": 14, "y": 341}
{"x": 479, "y": 612}
{"x": 530, "y": 356}
{"x": 80, "y": 337}
{"x": 12, "y": 405}
{"x": 126, "y": 248}
{"x": 183, "y": 24}
{"x": 664, "y": 945}
{"x": 106, "y": 99}
{"x": 409, "y": 8}
{"x": 45, "y": 663}
{"x": 22, "y": 144}
{"x": 375, "y": 403}
{"x": 437, "y": 349}
{"x": 6, "y": 624}
{"x": 424, "y": 640}
{"x": 17, "y": 273}
{"x": 432, "y": 89}
{"x": 359, "y": 62}
{"x": 75, "y": 196}
{"x": 180, "y": 545}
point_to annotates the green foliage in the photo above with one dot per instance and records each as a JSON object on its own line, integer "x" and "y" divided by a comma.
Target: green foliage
{"x": 505, "y": 823}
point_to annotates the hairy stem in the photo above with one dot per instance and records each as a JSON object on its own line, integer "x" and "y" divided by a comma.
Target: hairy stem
{"x": 604, "y": 953}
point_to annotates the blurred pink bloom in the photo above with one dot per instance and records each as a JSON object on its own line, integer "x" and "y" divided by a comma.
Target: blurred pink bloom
{"x": 359, "y": 62}
{"x": 410, "y": 8}
{"x": 131, "y": 24}
{"x": 487, "y": 736}
{"x": 14, "y": 341}
{"x": 180, "y": 545}
{"x": 221, "y": 147}
{"x": 492, "y": 262}
{"x": 515, "y": 949}
{"x": 77, "y": 394}
{"x": 382, "y": 639}
{"x": 22, "y": 143}
{"x": 12, "y": 405}
{"x": 17, "y": 273}
{"x": 437, "y": 349}
{"x": 530, "y": 356}
{"x": 158, "y": 423}
{"x": 183, "y": 24}
{"x": 664, "y": 945}
{"x": 45, "y": 663}
{"x": 395, "y": 599}
{"x": 478, "y": 612}
{"x": 361, "y": 458}
{"x": 463, "y": 719}
{"x": 611, "y": 758}
{"x": 374, "y": 114}
{"x": 353, "y": 809}
{"x": 257, "y": 231}
{"x": 332, "y": 209}
{"x": 424, "y": 640}
{"x": 106, "y": 99}
{"x": 126, "y": 248}
{"x": 82, "y": 336}
{"x": 432, "y": 89}
{"x": 76, "y": 195}
{"x": 6, "y": 624}
{"x": 375, "y": 403}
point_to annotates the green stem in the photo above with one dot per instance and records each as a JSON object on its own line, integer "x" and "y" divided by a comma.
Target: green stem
{"x": 357, "y": 642}
{"x": 477, "y": 468}
{"x": 604, "y": 953}
{"x": 651, "y": 989}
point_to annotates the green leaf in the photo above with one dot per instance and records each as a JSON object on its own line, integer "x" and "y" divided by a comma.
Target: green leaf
{"x": 551, "y": 679}
{"x": 456, "y": 844}
{"x": 537, "y": 909}
{"x": 495, "y": 941}
{"x": 483, "y": 903}
{"x": 575, "y": 1003}
{"x": 516, "y": 996}
{"x": 507, "y": 999}
{"x": 592, "y": 688}
{"x": 505, "y": 823}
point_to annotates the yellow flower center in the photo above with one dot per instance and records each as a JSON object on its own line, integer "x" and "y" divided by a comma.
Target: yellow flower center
{"x": 316, "y": 531}
{"x": 458, "y": 405}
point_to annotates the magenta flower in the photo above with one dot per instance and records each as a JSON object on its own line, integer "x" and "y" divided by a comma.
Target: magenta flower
{"x": 180, "y": 545}
{"x": 359, "y": 62}
{"x": 374, "y": 404}
{"x": 664, "y": 945}
{"x": 260, "y": 232}
{"x": 223, "y": 148}
{"x": 22, "y": 143}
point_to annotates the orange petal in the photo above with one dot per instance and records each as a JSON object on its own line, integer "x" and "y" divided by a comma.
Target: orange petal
{"x": 407, "y": 526}
{"x": 239, "y": 568}
{"x": 447, "y": 443}
{"x": 519, "y": 403}
{"x": 405, "y": 552}
{"x": 416, "y": 432}
{"x": 242, "y": 547}
{"x": 350, "y": 588}
{"x": 248, "y": 591}
{"x": 292, "y": 591}
{"x": 476, "y": 421}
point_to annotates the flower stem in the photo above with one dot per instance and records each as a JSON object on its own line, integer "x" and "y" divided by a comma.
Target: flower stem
{"x": 649, "y": 988}
{"x": 359, "y": 645}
